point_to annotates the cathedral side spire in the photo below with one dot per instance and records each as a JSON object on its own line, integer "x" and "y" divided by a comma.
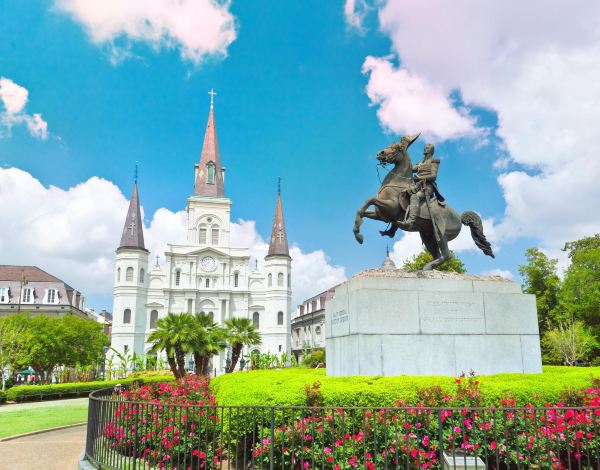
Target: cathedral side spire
{"x": 278, "y": 245}
{"x": 133, "y": 231}
{"x": 209, "y": 172}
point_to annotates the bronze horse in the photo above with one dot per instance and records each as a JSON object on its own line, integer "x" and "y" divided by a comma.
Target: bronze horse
{"x": 437, "y": 225}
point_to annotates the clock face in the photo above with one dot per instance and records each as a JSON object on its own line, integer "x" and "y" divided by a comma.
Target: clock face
{"x": 208, "y": 263}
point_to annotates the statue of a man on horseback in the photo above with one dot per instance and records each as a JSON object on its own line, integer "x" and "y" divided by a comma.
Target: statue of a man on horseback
{"x": 424, "y": 186}
{"x": 405, "y": 202}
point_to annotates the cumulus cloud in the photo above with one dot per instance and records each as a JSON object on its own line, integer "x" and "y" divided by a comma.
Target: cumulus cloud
{"x": 409, "y": 103}
{"x": 536, "y": 69}
{"x": 499, "y": 272}
{"x": 197, "y": 28}
{"x": 73, "y": 233}
{"x": 14, "y": 98}
{"x": 355, "y": 12}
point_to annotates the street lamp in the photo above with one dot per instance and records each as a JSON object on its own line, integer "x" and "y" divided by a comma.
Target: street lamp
{"x": 228, "y": 360}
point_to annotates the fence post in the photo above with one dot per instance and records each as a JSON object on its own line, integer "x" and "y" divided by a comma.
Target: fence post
{"x": 272, "y": 454}
{"x": 441, "y": 437}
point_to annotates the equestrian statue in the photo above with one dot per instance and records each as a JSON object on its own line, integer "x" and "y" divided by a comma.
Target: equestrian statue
{"x": 413, "y": 203}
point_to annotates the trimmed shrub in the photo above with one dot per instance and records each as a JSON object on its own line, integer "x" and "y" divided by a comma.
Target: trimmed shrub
{"x": 150, "y": 373}
{"x": 2, "y": 396}
{"x": 70, "y": 390}
{"x": 287, "y": 387}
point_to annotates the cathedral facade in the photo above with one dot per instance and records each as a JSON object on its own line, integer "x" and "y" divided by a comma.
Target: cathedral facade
{"x": 206, "y": 274}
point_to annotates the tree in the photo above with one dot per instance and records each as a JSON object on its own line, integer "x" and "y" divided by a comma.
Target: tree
{"x": 418, "y": 261}
{"x": 174, "y": 334}
{"x": 209, "y": 340}
{"x": 540, "y": 279}
{"x": 240, "y": 332}
{"x": 11, "y": 343}
{"x": 50, "y": 341}
{"x": 570, "y": 343}
{"x": 580, "y": 291}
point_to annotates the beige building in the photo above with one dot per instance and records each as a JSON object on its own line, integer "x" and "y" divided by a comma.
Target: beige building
{"x": 31, "y": 289}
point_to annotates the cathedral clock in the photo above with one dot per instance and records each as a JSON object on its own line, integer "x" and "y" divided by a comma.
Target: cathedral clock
{"x": 208, "y": 263}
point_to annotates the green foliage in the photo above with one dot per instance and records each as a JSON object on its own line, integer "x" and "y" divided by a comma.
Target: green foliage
{"x": 174, "y": 335}
{"x": 2, "y": 396}
{"x": 287, "y": 387}
{"x": 11, "y": 346}
{"x": 418, "y": 261}
{"x": 540, "y": 279}
{"x": 569, "y": 344}
{"x": 315, "y": 358}
{"x": 580, "y": 291}
{"x": 71, "y": 389}
{"x": 149, "y": 373}
{"x": 47, "y": 342}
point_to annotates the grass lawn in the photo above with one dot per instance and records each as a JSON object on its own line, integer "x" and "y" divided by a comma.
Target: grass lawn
{"x": 35, "y": 418}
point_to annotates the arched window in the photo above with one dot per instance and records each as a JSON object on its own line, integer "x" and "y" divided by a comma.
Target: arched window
{"x": 289, "y": 280}
{"x": 118, "y": 274}
{"x": 211, "y": 315}
{"x": 215, "y": 235}
{"x": 177, "y": 277}
{"x": 127, "y": 316}
{"x": 256, "y": 319}
{"x": 153, "y": 318}
{"x": 202, "y": 235}
{"x": 280, "y": 318}
{"x": 207, "y": 283}
{"x": 280, "y": 280}
{"x": 142, "y": 274}
{"x": 236, "y": 279}
{"x": 270, "y": 279}
{"x": 318, "y": 332}
{"x": 129, "y": 274}
{"x": 210, "y": 174}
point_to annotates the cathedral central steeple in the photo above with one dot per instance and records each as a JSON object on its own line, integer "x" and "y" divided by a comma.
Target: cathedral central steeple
{"x": 209, "y": 172}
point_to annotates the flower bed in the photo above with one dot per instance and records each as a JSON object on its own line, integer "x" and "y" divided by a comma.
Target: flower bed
{"x": 180, "y": 426}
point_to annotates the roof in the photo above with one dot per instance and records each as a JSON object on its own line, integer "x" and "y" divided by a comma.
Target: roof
{"x": 30, "y": 273}
{"x": 133, "y": 230}
{"x": 278, "y": 246}
{"x": 210, "y": 157}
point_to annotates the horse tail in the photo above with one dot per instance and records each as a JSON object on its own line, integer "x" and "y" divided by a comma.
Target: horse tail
{"x": 473, "y": 221}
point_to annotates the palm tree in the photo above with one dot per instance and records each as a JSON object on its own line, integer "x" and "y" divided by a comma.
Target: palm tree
{"x": 174, "y": 334}
{"x": 209, "y": 339}
{"x": 240, "y": 332}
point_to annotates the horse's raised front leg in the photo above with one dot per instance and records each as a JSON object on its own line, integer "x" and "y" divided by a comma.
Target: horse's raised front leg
{"x": 358, "y": 220}
{"x": 443, "y": 251}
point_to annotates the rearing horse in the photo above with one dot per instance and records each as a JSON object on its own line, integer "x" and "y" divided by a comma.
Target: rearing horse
{"x": 436, "y": 225}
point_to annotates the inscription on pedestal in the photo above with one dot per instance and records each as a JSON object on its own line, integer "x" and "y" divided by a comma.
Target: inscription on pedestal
{"x": 462, "y": 314}
{"x": 340, "y": 323}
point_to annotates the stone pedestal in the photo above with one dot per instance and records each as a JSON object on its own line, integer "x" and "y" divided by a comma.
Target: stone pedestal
{"x": 392, "y": 322}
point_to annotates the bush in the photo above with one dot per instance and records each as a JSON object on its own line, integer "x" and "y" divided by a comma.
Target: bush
{"x": 150, "y": 373}
{"x": 23, "y": 392}
{"x": 287, "y": 387}
{"x": 316, "y": 358}
{"x": 2, "y": 396}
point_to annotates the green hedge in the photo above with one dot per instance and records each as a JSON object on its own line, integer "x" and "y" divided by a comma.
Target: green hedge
{"x": 69, "y": 390}
{"x": 2, "y": 396}
{"x": 287, "y": 387}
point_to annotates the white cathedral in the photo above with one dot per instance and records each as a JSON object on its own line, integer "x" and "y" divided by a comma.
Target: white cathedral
{"x": 205, "y": 274}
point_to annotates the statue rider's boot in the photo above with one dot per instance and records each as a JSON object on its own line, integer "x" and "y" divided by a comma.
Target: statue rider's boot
{"x": 413, "y": 208}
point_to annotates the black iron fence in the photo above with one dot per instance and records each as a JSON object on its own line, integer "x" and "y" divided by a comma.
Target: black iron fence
{"x": 131, "y": 435}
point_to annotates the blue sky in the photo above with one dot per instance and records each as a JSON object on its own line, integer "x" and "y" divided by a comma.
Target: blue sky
{"x": 291, "y": 101}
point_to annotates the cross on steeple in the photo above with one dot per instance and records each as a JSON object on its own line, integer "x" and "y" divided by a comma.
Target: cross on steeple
{"x": 156, "y": 260}
{"x": 280, "y": 235}
{"x": 131, "y": 227}
{"x": 135, "y": 174}
{"x": 212, "y": 94}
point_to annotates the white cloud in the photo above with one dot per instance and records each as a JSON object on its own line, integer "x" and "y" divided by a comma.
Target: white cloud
{"x": 355, "y": 12}
{"x": 536, "y": 64}
{"x": 409, "y": 103}
{"x": 14, "y": 98}
{"x": 73, "y": 233}
{"x": 198, "y": 28}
